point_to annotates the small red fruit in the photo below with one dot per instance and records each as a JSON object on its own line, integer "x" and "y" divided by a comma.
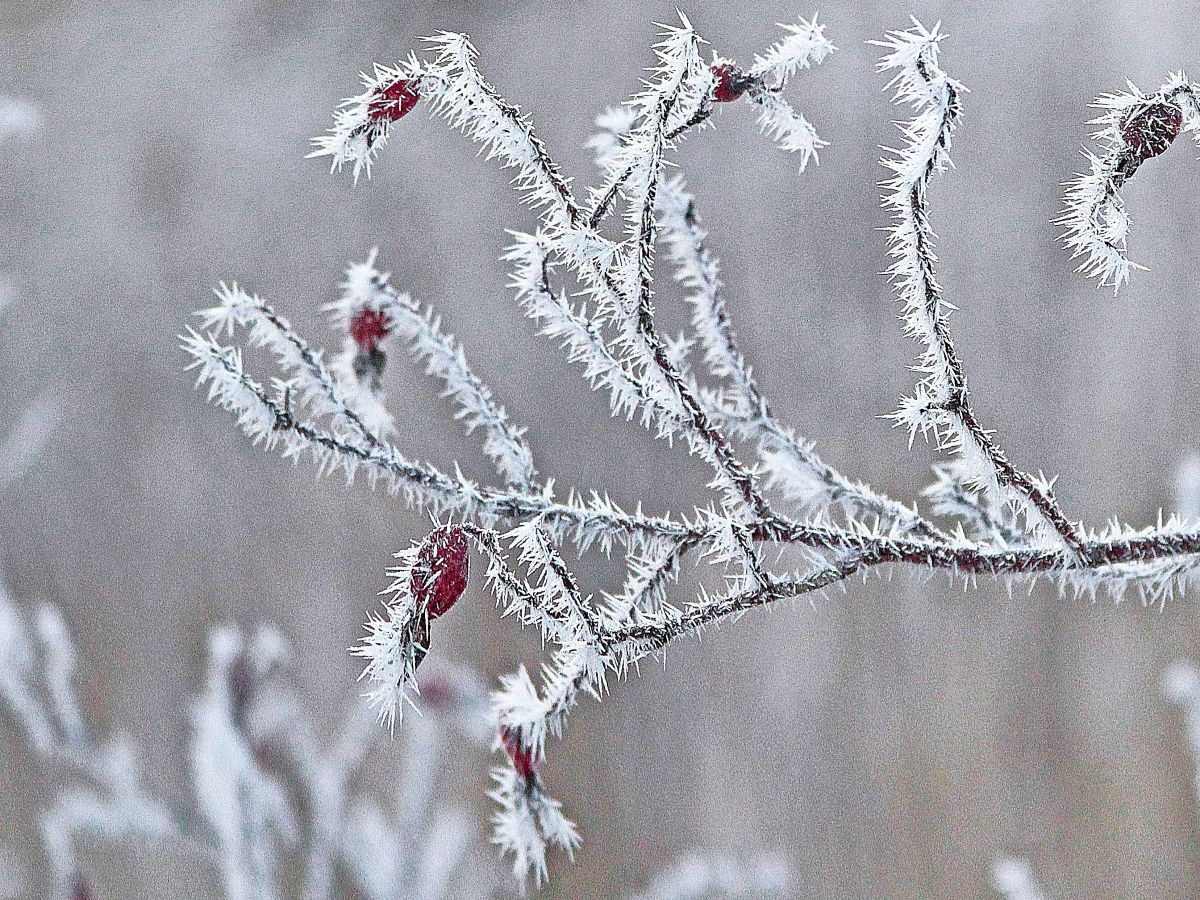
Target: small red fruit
{"x": 731, "y": 82}
{"x": 440, "y": 574}
{"x": 394, "y": 101}
{"x": 1149, "y": 128}
{"x": 368, "y": 327}
{"x": 522, "y": 757}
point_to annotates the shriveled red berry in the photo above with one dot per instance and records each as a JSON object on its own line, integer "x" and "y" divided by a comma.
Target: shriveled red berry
{"x": 440, "y": 574}
{"x": 731, "y": 82}
{"x": 395, "y": 101}
{"x": 522, "y": 757}
{"x": 368, "y": 327}
{"x": 1149, "y": 128}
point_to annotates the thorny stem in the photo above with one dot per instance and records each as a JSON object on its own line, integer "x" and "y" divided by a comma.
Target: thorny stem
{"x": 719, "y": 446}
{"x": 722, "y": 453}
{"x": 967, "y": 559}
{"x": 761, "y": 418}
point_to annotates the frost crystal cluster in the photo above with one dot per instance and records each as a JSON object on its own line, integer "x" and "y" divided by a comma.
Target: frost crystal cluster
{"x": 781, "y": 521}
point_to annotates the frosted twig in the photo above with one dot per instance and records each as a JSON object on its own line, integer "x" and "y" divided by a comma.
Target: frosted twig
{"x": 941, "y": 403}
{"x": 367, "y": 292}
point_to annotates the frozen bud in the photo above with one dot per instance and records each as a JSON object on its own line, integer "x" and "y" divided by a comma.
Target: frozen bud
{"x": 729, "y": 82}
{"x": 1150, "y": 127}
{"x": 521, "y": 756}
{"x": 394, "y": 101}
{"x": 363, "y": 122}
{"x": 440, "y": 574}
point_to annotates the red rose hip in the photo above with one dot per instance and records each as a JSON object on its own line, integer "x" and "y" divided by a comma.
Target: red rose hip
{"x": 440, "y": 574}
{"x": 394, "y": 101}
{"x": 730, "y": 82}
{"x": 368, "y": 328}
{"x": 1149, "y": 128}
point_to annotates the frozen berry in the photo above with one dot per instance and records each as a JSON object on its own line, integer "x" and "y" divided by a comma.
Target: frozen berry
{"x": 440, "y": 574}
{"x": 1149, "y": 128}
{"x": 730, "y": 82}
{"x": 394, "y": 101}
{"x": 368, "y": 328}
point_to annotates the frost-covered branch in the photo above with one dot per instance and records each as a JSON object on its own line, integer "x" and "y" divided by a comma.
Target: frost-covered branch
{"x": 370, "y": 310}
{"x": 941, "y": 403}
{"x": 591, "y": 286}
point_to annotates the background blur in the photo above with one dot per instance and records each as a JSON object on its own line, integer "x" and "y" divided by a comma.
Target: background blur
{"x": 891, "y": 740}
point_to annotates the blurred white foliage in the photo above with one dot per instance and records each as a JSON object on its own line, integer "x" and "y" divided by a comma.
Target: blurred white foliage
{"x": 713, "y": 876}
{"x": 28, "y": 437}
{"x": 1180, "y": 685}
{"x": 19, "y": 118}
{"x": 770, "y": 490}
{"x": 1187, "y": 489}
{"x": 1014, "y": 879}
{"x": 267, "y": 793}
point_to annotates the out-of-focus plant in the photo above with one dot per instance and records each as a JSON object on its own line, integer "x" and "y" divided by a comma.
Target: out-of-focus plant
{"x": 270, "y": 793}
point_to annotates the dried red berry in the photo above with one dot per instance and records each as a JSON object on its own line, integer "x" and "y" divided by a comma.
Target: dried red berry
{"x": 522, "y": 757}
{"x": 368, "y": 327}
{"x": 731, "y": 82}
{"x": 395, "y": 101}
{"x": 440, "y": 574}
{"x": 1149, "y": 128}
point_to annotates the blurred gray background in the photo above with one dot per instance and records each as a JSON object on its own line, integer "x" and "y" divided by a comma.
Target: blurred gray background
{"x": 891, "y": 740}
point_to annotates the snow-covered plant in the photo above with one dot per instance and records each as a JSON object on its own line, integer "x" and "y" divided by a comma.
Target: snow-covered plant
{"x": 269, "y": 792}
{"x": 772, "y": 496}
